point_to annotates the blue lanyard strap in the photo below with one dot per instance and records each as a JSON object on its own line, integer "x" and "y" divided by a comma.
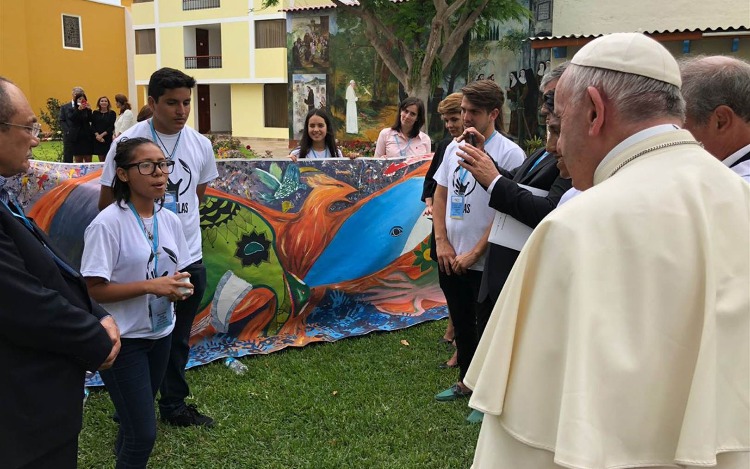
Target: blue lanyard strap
{"x": 401, "y": 151}
{"x": 155, "y": 138}
{"x": 18, "y": 213}
{"x": 152, "y": 240}
{"x": 494, "y": 132}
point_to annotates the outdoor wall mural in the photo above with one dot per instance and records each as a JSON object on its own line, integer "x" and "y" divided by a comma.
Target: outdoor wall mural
{"x": 359, "y": 91}
{"x": 295, "y": 252}
{"x": 495, "y": 57}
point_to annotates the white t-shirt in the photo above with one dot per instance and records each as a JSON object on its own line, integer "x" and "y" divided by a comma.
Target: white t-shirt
{"x": 195, "y": 165}
{"x": 314, "y": 154}
{"x": 466, "y": 233}
{"x": 116, "y": 249}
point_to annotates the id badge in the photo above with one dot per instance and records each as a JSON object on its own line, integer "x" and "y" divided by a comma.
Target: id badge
{"x": 160, "y": 311}
{"x": 170, "y": 201}
{"x": 457, "y": 207}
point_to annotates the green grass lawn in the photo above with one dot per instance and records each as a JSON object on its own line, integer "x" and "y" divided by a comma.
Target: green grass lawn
{"x": 48, "y": 151}
{"x": 364, "y": 402}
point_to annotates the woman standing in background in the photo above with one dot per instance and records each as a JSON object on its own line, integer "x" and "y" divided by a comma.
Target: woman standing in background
{"x": 103, "y": 125}
{"x": 126, "y": 119}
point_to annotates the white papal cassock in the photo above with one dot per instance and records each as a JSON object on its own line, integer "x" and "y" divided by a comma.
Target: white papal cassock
{"x": 622, "y": 336}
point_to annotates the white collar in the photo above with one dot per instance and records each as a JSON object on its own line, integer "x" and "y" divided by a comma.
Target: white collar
{"x": 731, "y": 159}
{"x": 637, "y": 137}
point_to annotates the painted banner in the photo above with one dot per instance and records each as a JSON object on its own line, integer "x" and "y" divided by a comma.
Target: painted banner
{"x": 295, "y": 253}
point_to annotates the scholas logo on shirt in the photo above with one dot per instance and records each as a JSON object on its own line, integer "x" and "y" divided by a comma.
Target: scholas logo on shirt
{"x": 463, "y": 182}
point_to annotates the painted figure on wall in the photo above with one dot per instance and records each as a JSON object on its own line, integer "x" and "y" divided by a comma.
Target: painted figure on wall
{"x": 310, "y": 46}
{"x": 352, "y": 125}
{"x": 310, "y": 100}
{"x": 512, "y": 98}
{"x": 309, "y": 93}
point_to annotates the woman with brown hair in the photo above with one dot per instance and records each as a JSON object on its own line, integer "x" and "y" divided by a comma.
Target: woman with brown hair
{"x": 126, "y": 119}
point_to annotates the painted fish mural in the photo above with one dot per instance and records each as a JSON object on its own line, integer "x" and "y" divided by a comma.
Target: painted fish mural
{"x": 294, "y": 252}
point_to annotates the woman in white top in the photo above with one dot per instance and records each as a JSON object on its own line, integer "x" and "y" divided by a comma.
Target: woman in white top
{"x": 404, "y": 138}
{"x": 133, "y": 252}
{"x": 126, "y": 119}
{"x": 318, "y": 139}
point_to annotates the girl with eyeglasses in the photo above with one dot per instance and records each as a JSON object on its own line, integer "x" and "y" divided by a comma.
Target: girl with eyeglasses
{"x": 133, "y": 253}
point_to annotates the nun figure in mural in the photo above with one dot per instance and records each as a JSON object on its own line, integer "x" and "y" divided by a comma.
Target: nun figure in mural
{"x": 352, "y": 126}
{"x": 530, "y": 105}
{"x": 512, "y": 95}
{"x": 310, "y": 100}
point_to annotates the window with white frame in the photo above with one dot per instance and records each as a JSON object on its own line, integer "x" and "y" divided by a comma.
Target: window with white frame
{"x": 71, "y": 32}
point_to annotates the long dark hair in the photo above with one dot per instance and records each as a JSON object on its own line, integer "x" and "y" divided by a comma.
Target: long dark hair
{"x": 420, "y": 116}
{"x": 124, "y": 153}
{"x": 305, "y": 144}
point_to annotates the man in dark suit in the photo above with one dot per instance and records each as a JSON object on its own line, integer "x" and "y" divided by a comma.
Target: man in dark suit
{"x": 69, "y": 126}
{"x": 717, "y": 98}
{"x": 51, "y": 330}
{"x": 539, "y": 171}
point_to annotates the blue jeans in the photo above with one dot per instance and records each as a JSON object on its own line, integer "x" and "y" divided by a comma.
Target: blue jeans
{"x": 174, "y": 388}
{"x": 132, "y": 383}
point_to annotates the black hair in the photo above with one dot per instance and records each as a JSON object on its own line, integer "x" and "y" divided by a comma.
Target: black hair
{"x": 305, "y": 144}
{"x": 420, "y": 116}
{"x": 168, "y": 79}
{"x": 124, "y": 153}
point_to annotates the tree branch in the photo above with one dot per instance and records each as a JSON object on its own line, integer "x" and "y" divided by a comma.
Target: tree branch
{"x": 379, "y": 36}
{"x": 463, "y": 26}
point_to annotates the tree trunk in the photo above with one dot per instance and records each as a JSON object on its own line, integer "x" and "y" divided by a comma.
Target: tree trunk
{"x": 421, "y": 91}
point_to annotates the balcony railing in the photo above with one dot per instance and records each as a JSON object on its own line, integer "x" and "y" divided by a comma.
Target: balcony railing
{"x": 203, "y": 61}
{"x": 200, "y": 4}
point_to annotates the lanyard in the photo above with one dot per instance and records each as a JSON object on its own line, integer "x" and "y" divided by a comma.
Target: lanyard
{"x": 155, "y": 138}
{"x": 494, "y": 132}
{"x": 152, "y": 240}
{"x": 18, "y": 213}
{"x": 315, "y": 154}
{"x": 401, "y": 151}
{"x": 538, "y": 160}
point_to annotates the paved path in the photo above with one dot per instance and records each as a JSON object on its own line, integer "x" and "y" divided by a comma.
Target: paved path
{"x": 278, "y": 147}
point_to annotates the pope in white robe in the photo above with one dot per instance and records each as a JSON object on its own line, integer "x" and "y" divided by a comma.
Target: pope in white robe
{"x": 352, "y": 125}
{"x": 622, "y": 336}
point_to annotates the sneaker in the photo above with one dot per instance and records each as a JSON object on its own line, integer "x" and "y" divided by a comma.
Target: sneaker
{"x": 475, "y": 417}
{"x": 451, "y": 394}
{"x": 188, "y": 416}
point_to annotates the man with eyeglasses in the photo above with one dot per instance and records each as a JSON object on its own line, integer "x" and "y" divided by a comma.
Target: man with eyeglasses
{"x": 508, "y": 195}
{"x": 169, "y": 97}
{"x": 52, "y": 332}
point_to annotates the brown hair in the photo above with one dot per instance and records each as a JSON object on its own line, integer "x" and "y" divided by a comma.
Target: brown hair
{"x": 487, "y": 95}
{"x": 144, "y": 113}
{"x": 122, "y": 100}
{"x": 451, "y": 104}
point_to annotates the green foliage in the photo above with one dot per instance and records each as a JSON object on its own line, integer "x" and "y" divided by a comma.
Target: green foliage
{"x": 361, "y": 402}
{"x": 48, "y": 151}
{"x": 50, "y": 117}
{"x": 226, "y": 146}
{"x": 514, "y": 39}
{"x": 532, "y": 144}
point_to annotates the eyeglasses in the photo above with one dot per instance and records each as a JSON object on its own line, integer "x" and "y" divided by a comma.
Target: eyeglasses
{"x": 34, "y": 128}
{"x": 549, "y": 100}
{"x": 148, "y": 168}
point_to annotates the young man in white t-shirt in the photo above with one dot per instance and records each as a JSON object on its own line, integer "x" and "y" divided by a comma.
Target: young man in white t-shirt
{"x": 462, "y": 218}
{"x": 169, "y": 97}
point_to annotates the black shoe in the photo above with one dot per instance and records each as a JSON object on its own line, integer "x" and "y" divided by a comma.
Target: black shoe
{"x": 188, "y": 416}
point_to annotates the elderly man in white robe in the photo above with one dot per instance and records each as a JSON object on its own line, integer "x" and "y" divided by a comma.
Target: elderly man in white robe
{"x": 622, "y": 336}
